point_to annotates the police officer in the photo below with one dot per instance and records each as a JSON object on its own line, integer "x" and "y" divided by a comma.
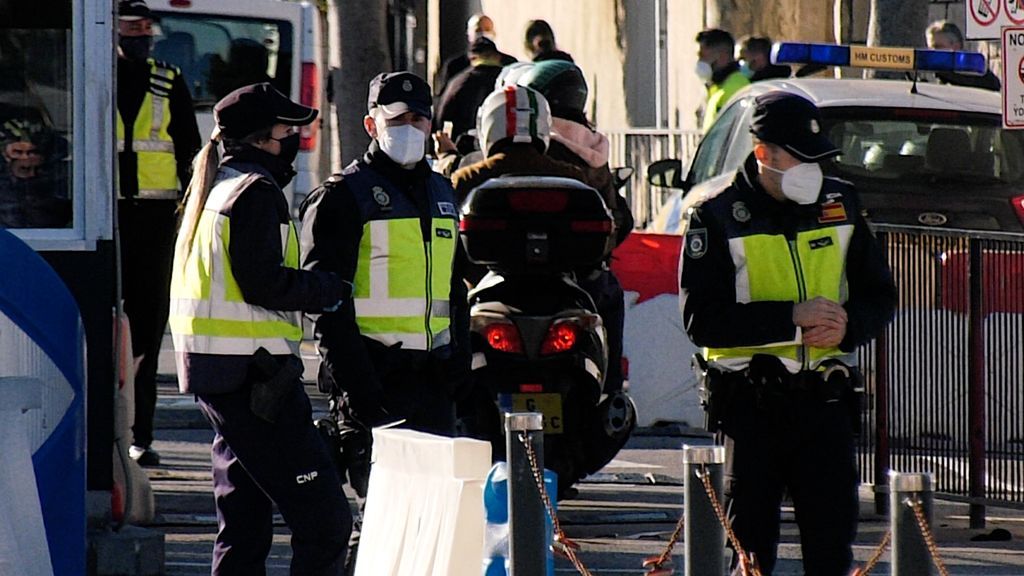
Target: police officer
{"x": 781, "y": 280}
{"x": 237, "y": 294}
{"x": 156, "y": 140}
{"x": 389, "y": 224}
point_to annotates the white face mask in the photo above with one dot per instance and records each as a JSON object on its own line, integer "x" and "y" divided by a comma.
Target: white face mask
{"x": 405, "y": 144}
{"x": 704, "y": 71}
{"x": 801, "y": 183}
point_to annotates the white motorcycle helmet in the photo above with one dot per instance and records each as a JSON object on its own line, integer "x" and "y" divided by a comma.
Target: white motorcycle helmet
{"x": 517, "y": 113}
{"x": 509, "y": 75}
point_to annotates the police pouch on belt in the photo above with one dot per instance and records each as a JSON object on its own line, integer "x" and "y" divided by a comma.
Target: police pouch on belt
{"x": 273, "y": 379}
{"x": 770, "y": 386}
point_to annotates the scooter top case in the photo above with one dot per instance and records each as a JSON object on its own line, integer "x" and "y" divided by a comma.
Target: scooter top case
{"x": 536, "y": 224}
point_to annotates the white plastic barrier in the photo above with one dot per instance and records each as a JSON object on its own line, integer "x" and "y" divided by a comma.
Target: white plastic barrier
{"x": 424, "y": 510}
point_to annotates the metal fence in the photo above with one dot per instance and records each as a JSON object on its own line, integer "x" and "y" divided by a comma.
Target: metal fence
{"x": 945, "y": 383}
{"x": 639, "y": 147}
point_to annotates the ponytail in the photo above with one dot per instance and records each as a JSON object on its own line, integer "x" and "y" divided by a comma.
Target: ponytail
{"x": 204, "y": 172}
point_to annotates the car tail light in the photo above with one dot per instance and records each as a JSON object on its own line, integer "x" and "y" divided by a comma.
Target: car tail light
{"x": 538, "y": 200}
{"x": 561, "y": 337}
{"x": 309, "y": 95}
{"x": 181, "y": 3}
{"x": 1018, "y": 207}
{"x": 531, "y": 388}
{"x": 503, "y": 337}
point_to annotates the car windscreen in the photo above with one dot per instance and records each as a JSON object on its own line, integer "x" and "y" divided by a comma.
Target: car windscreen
{"x": 930, "y": 148}
{"x": 217, "y": 54}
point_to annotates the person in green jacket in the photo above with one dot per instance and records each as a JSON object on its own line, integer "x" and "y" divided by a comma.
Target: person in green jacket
{"x": 718, "y": 70}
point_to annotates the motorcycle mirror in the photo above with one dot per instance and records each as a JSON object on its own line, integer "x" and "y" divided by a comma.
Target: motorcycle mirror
{"x": 665, "y": 173}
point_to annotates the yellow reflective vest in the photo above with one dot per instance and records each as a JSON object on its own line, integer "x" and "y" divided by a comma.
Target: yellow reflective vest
{"x": 208, "y": 312}
{"x": 404, "y": 271}
{"x": 150, "y": 141}
{"x": 719, "y": 95}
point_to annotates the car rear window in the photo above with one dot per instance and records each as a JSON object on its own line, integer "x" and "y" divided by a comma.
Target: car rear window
{"x": 925, "y": 146}
{"x": 217, "y": 54}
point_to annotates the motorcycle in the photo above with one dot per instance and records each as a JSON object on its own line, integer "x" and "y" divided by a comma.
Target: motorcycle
{"x": 538, "y": 343}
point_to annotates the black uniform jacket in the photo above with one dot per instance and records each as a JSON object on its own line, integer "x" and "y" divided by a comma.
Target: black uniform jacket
{"x": 332, "y": 228}
{"x": 711, "y": 315}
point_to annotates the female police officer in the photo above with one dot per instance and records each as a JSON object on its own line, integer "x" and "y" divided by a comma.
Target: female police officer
{"x": 236, "y": 301}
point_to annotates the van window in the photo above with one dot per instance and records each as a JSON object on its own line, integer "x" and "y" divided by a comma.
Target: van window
{"x": 35, "y": 120}
{"x": 217, "y": 54}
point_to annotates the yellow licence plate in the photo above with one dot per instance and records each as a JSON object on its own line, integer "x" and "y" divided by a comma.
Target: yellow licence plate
{"x": 550, "y": 405}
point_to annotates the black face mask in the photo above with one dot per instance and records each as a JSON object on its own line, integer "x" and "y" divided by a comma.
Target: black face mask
{"x": 135, "y": 48}
{"x": 289, "y": 148}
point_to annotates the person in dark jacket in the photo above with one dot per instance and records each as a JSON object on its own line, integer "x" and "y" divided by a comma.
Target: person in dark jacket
{"x": 466, "y": 91}
{"x": 157, "y": 137}
{"x": 781, "y": 280}
{"x": 539, "y": 40}
{"x": 399, "y": 349}
{"x": 944, "y": 35}
{"x": 478, "y": 26}
{"x": 756, "y": 60}
{"x": 237, "y": 295}
{"x": 574, "y": 141}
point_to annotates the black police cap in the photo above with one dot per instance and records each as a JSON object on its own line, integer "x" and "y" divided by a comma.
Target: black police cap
{"x": 792, "y": 122}
{"x": 258, "y": 106}
{"x": 133, "y": 10}
{"x": 396, "y": 93}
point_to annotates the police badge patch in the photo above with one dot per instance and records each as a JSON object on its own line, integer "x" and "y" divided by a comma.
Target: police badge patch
{"x": 697, "y": 242}
{"x": 447, "y": 209}
{"x": 740, "y": 212}
{"x": 381, "y": 197}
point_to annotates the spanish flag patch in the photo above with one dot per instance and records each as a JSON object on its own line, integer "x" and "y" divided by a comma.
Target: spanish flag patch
{"x": 832, "y": 212}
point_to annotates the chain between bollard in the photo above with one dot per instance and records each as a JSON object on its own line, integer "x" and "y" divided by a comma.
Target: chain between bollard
{"x": 655, "y": 564}
{"x": 563, "y": 544}
{"x": 874, "y": 557}
{"x": 926, "y": 533}
{"x": 747, "y": 565}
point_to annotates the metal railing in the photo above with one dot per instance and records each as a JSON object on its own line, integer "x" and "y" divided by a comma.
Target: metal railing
{"x": 945, "y": 382}
{"x": 639, "y": 147}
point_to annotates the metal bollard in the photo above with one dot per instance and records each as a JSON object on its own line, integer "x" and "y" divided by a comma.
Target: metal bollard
{"x": 704, "y": 536}
{"x": 527, "y": 538}
{"x": 910, "y": 556}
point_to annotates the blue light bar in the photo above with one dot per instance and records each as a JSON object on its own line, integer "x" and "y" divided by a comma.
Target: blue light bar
{"x": 880, "y": 58}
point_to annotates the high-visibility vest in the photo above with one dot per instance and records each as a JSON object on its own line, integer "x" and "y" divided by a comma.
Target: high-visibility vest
{"x": 402, "y": 284}
{"x": 719, "y": 94}
{"x": 209, "y": 315}
{"x": 811, "y": 264}
{"x": 157, "y": 171}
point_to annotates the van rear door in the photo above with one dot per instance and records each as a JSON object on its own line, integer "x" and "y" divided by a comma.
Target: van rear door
{"x": 221, "y": 45}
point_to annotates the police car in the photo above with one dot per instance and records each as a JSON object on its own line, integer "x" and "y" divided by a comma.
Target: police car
{"x": 919, "y": 153}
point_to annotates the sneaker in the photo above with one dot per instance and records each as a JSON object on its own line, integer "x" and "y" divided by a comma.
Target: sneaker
{"x": 146, "y": 457}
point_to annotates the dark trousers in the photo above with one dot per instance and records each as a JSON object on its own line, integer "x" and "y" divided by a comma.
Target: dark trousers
{"x": 605, "y": 290}
{"x": 255, "y": 464}
{"x": 803, "y": 444}
{"x": 147, "y": 230}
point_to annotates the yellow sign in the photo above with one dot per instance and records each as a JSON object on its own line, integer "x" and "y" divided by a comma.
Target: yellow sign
{"x": 882, "y": 58}
{"x": 550, "y": 405}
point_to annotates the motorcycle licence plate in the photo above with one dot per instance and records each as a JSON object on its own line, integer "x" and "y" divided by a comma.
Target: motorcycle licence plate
{"x": 550, "y": 405}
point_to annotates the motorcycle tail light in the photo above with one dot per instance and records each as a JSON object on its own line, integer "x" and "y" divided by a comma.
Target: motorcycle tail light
{"x": 503, "y": 337}
{"x": 1018, "y": 207}
{"x": 531, "y": 388}
{"x": 561, "y": 337}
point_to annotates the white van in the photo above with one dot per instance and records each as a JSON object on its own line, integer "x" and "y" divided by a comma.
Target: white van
{"x": 221, "y": 45}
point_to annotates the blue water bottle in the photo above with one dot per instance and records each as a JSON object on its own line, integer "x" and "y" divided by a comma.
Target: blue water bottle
{"x": 496, "y": 511}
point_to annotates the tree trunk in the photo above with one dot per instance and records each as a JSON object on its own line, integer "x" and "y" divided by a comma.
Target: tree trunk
{"x": 364, "y": 53}
{"x": 897, "y": 23}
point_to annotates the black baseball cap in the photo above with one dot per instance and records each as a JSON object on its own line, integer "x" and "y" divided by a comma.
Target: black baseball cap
{"x": 792, "y": 122}
{"x": 396, "y": 93}
{"x": 258, "y": 106}
{"x": 130, "y": 10}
